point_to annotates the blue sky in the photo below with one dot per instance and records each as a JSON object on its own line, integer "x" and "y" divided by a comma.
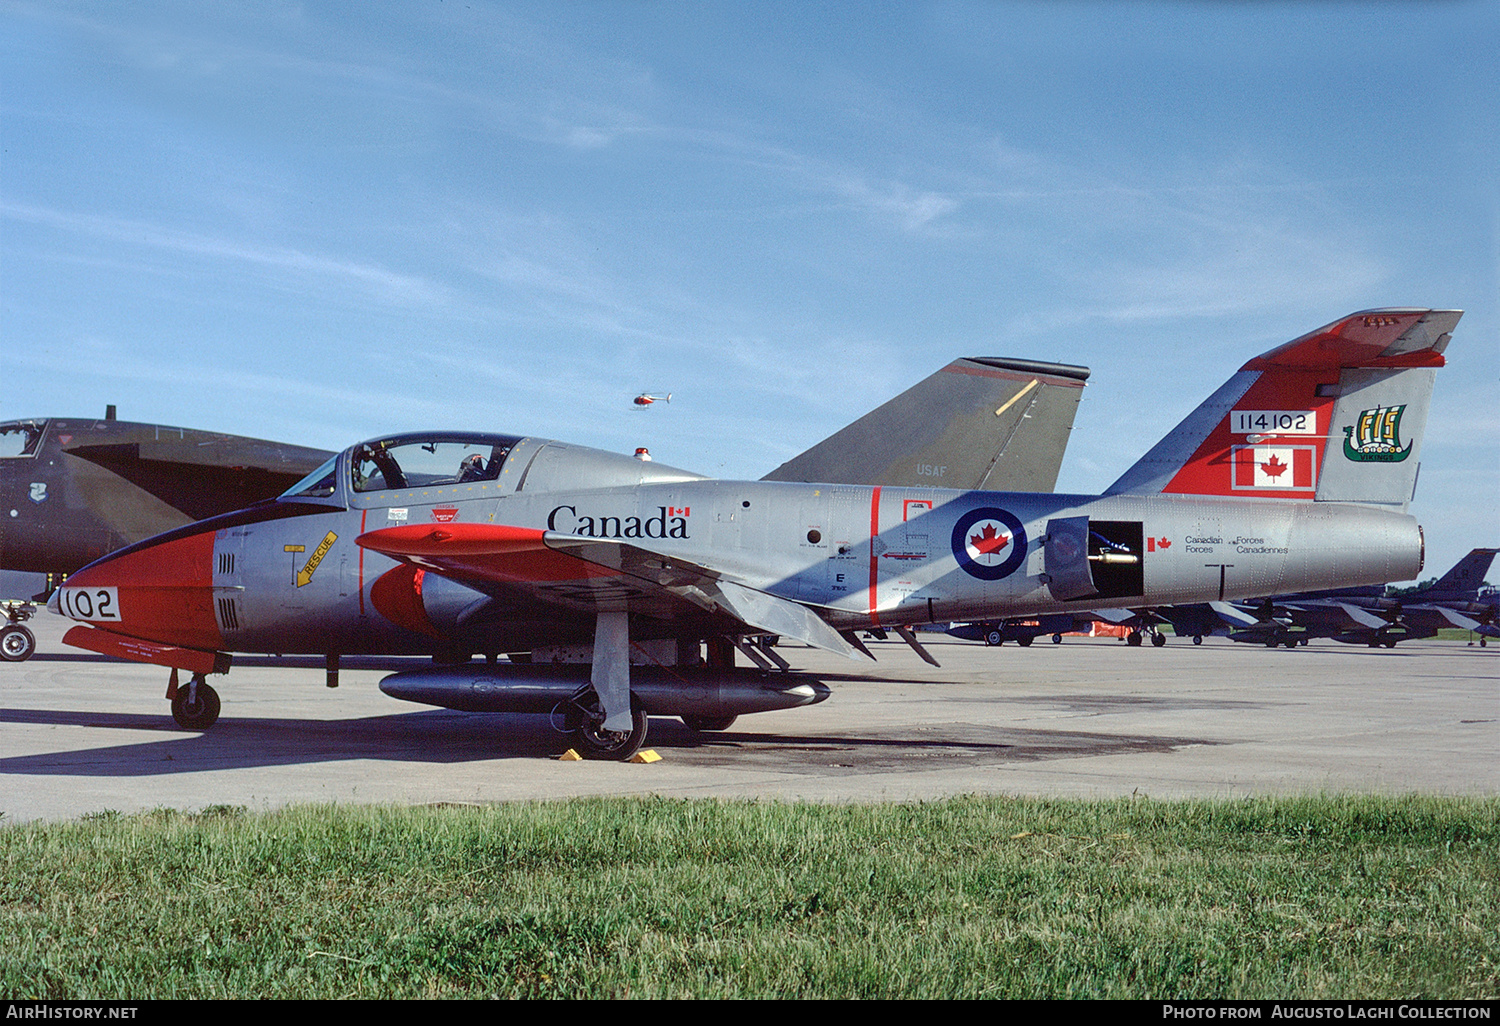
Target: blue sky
{"x": 318, "y": 222}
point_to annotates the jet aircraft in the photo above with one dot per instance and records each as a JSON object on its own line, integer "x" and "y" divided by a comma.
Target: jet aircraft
{"x": 1022, "y": 630}
{"x": 1370, "y": 616}
{"x": 1294, "y": 475}
{"x": 72, "y": 489}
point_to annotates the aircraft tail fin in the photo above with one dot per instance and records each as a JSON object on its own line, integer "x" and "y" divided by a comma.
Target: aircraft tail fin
{"x": 1465, "y": 577}
{"x": 1334, "y": 416}
{"x": 979, "y": 423}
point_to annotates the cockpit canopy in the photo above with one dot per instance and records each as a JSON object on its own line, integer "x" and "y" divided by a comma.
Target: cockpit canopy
{"x": 21, "y": 437}
{"x": 412, "y": 461}
{"x": 429, "y": 460}
{"x": 419, "y": 462}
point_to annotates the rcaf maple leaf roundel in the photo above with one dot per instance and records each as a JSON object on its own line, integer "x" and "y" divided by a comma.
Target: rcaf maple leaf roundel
{"x": 989, "y": 543}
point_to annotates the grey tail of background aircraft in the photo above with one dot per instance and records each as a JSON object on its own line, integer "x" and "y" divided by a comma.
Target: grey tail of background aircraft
{"x": 1307, "y": 421}
{"x": 1466, "y": 577}
{"x": 979, "y": 423}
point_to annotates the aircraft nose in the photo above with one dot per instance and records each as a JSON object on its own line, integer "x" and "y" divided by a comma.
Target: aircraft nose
{"x": 157, "y": 590}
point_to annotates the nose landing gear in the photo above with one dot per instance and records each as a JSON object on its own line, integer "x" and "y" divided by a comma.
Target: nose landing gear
{"x": 194, "y": 706}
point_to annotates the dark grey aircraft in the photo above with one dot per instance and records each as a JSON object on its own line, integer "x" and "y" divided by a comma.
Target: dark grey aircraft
{"x": 1295, "y": 475}
{"x": 73, "y": 489}
{"x": 1023, "y": 631}
{"x": 1370, "y": 616}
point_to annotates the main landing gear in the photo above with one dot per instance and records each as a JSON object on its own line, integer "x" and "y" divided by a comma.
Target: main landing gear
{"x": 583, "y": 721}
{"x": 17, "y": 643}
{"x": 195, "y": 705}
{"x": 1134, "y": 638}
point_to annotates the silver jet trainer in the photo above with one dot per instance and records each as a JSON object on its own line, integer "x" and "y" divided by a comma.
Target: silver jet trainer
{"x": 605, "y": 578}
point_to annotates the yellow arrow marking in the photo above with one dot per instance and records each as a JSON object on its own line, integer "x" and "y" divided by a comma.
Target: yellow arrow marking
{"x": 304, "y": 576}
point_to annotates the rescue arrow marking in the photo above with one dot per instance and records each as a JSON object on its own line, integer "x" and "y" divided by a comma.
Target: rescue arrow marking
{"x": 304, "y": 576}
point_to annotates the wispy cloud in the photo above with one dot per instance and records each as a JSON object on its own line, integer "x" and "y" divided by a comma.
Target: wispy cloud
{"x": 377, "y": 282}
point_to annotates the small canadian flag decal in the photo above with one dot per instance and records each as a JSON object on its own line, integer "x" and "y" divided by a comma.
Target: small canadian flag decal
{"x": 1279, "y": 468}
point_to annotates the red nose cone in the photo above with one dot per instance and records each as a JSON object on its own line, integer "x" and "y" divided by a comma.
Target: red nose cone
{"x": 161, "y": 592}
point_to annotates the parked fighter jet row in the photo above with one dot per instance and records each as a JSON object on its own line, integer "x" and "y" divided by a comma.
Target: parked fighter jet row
{"x": 1372, "y": 616}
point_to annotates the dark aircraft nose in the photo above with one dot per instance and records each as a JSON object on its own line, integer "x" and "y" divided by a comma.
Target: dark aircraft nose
{"x": 158, "y": 590}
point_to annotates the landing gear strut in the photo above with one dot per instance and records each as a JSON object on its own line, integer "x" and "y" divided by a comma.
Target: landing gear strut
{"x": 196, "y": 706}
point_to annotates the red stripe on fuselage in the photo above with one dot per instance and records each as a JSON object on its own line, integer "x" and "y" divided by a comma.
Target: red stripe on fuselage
{"x": 874, "y": 556}
{"x": 362, "y": 514}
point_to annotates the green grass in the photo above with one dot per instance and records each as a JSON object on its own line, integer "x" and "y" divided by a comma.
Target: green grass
{"x": 975, "y": 897}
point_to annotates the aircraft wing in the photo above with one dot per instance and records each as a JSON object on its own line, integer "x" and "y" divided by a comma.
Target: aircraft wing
{"x": 1435, "y": 614}
{"x": 1331, "y": 615}
{"x": 593, "y": 574}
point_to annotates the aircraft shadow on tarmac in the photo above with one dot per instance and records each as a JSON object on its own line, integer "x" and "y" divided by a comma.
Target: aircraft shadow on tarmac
{"x": 443, "y": 737}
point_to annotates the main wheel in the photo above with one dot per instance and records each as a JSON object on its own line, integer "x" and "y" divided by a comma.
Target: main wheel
{"x": 1024, "y": 641}
{"x": 196, "y": 706}
{"x": 598, "y": 743}
{"x": 1057, "y": 639}
{"x": 17, "y": 643}
{"x": 1158, "y": 640}
{"x": 1197, "y": 639}
{"x": 1290, "y": 642}
{"x": 993, "y": 638}
{"x": 1133, "y": 639}
{"x": 704, "y": 723}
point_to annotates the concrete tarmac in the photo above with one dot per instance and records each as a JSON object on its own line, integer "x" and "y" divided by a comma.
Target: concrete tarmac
{"x": 82, "y": 734}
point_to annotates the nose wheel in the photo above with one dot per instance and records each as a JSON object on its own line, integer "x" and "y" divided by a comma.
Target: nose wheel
{"x": 16, "y": 643}
{"x": 195, "y": 706}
